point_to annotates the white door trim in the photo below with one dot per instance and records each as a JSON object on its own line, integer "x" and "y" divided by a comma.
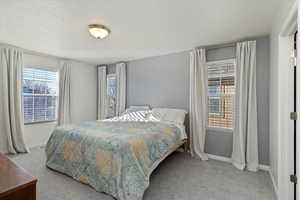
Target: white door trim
{"x": 286, "y": 86}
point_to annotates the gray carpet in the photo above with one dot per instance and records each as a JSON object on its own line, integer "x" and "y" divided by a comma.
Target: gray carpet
{"x": 178, "y": 177}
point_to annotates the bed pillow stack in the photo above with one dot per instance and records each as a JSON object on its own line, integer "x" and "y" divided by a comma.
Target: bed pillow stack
{"x": 176, "y": 116}
{"x": 136, "y": 113}
{"x": 144, "y": 113}
{"x": 136, "y": 109}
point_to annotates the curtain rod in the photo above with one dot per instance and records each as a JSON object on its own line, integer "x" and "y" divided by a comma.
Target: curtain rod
{"x": 217, "y": 46}
{"x": 114, "y": 63}
{"x": 31, "y": 52}
{"x": 229, "y": 44}
{"x": 35, "y": 53}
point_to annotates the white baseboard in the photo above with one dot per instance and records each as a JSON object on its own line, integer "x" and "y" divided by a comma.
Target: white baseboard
{"x": 228, "y": 160}
{"x": 274, "y": 184}
{"x": 37, "y": 146}
{"x": 264, "y": 167}
{"x": 219, "y": 158}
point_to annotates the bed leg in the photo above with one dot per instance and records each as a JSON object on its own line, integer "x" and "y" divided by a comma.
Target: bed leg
{"x": 185, "y": 146}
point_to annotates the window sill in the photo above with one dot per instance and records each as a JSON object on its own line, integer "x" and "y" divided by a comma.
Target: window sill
{"x": 226, "y": 130}
{"x": 41, "y": 122}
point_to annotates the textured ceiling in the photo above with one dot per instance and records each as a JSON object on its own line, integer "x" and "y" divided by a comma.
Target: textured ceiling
{"x": 140, "y": 28}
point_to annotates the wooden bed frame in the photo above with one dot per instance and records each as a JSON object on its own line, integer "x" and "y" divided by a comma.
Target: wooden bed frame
{"x": 185, "y": 145}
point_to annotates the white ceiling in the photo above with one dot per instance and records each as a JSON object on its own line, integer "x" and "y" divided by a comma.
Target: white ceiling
{"x": 140, "y": 28}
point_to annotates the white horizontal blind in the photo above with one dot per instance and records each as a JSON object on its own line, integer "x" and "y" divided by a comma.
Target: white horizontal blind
{"x": 221, "y": 91}
{"x": 40, "y": 95}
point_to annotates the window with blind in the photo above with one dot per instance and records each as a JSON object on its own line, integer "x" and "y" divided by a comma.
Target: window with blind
{"x": 40, "y": 95}
{"x": 111, "y": 95}
{"x": 221, "y": 92}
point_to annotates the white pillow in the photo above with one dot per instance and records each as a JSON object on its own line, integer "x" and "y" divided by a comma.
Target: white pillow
{"x": 176, "y": 116}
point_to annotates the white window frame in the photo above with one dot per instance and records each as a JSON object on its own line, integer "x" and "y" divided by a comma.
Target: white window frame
{"x": 220, "y": 62}
{"x": 57, "y": 94}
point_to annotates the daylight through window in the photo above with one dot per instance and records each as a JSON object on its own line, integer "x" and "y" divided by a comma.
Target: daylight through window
{"x": 40, "y": 95}
{"x": 111, "y": 95}
{"x": 221, "y": 91}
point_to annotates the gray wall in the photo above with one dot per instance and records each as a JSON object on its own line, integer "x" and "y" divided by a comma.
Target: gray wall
{"x": 263, "y": 86}
{"x": 163, "y": 81}
{"x": 83, "y": 96}
{"x": 159, "y": 81}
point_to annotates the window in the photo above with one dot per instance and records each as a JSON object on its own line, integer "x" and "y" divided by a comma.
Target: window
{"x": 40, "y": 95}
{"x": 111, "y": 94}
{"x": 221, "y": 91}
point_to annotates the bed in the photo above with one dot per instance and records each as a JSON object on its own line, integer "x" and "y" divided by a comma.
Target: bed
{"x": 115, "y": 156}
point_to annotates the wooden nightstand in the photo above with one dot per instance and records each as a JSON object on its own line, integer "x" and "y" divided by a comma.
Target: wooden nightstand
{"x": 15, "y": 183}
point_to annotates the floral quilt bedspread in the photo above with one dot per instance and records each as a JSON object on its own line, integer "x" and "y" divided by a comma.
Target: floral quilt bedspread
{"x": 116, "y": 158}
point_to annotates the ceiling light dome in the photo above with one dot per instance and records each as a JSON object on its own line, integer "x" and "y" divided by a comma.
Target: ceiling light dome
{"x": 98, "y": 31}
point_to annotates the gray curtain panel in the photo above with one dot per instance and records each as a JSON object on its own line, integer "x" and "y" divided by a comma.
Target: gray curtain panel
{"x": 102, "y": 93}
{"x": 121, "y": 88}
{"x": 198, "y": 103}
{"x": 11, "y": 103}
{"x": 245, "y": 147}
{"x": 64, "y": 104}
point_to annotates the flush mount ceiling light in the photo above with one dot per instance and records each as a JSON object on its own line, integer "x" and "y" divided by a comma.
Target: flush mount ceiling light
{"x": 98, "y": 31}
